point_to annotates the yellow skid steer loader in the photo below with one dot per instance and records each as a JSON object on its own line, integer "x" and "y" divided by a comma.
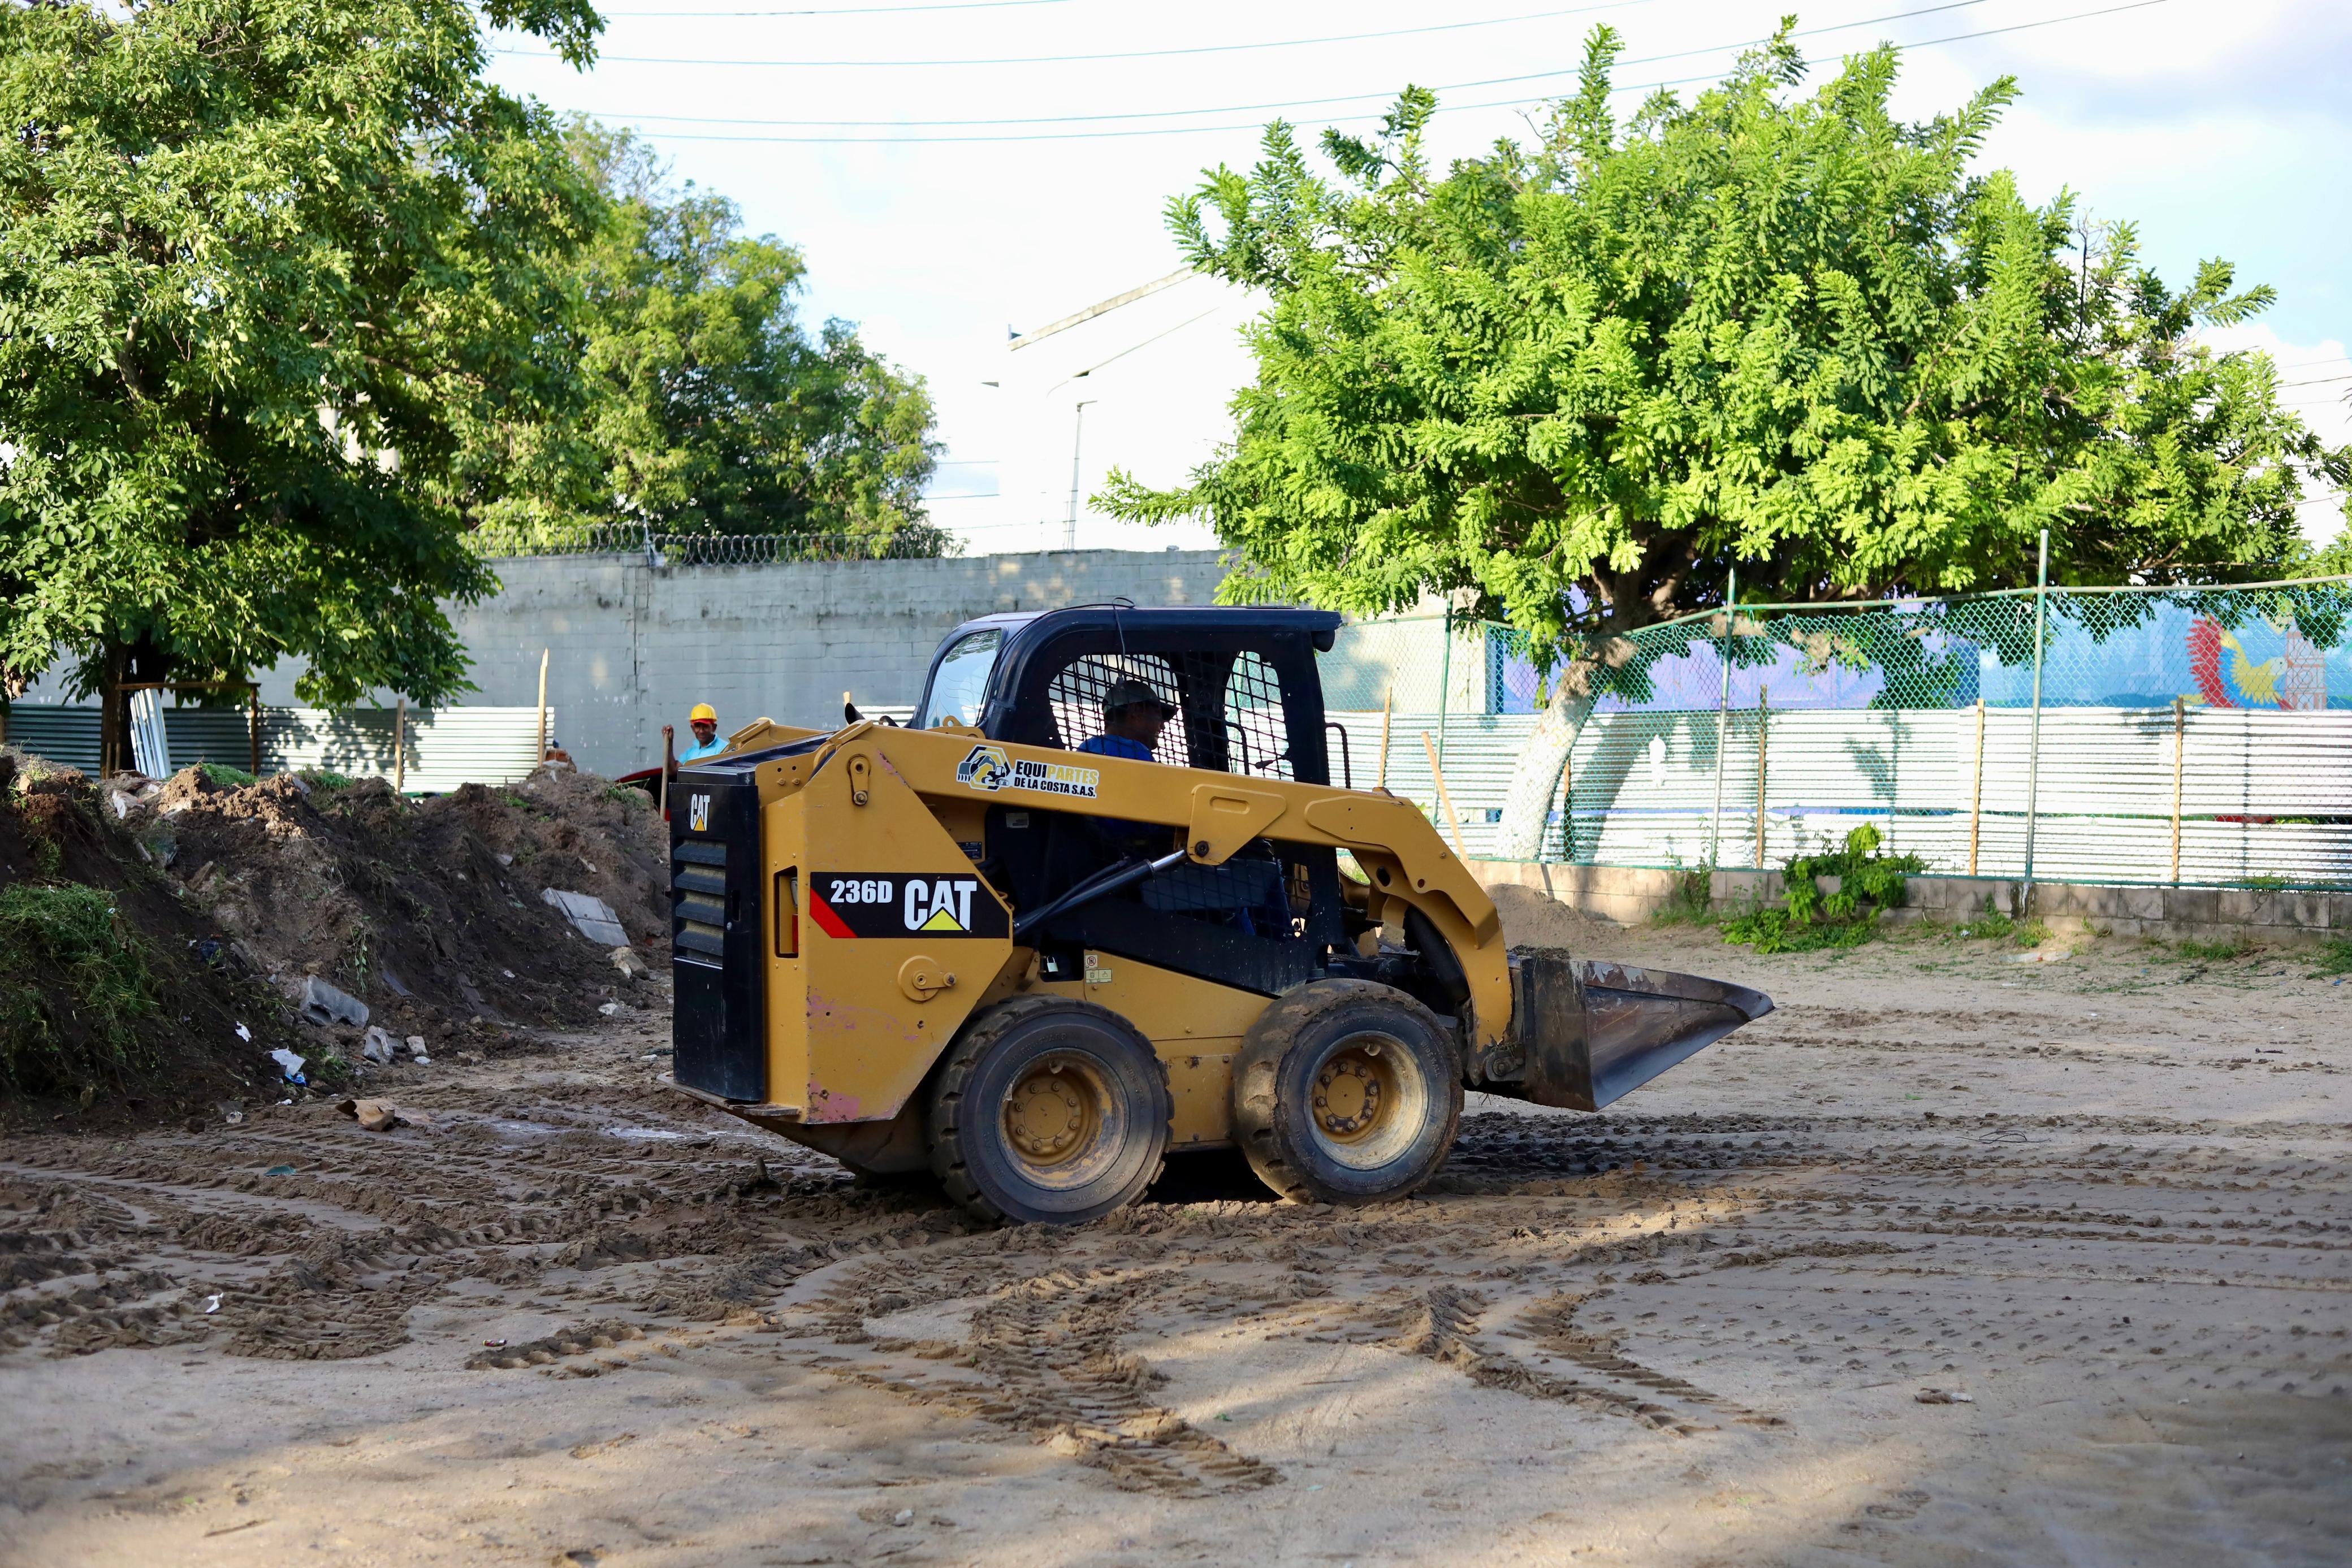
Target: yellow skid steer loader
{"x": 1088, "y": 909}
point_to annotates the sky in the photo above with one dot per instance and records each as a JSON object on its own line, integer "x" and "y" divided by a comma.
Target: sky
{"x": 960, "y": 171}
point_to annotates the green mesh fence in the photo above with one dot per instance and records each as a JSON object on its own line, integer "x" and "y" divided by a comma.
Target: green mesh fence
{"x": 2143, "y": 735}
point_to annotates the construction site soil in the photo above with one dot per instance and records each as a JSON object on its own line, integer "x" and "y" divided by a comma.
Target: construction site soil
{"x": 228, "y": 898}
{"x": 1953, "y": 1259}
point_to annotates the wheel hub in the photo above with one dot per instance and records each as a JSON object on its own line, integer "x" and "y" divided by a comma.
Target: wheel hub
{"x": 1348, "y": 1096}
{"x": 1047, "y": 1115}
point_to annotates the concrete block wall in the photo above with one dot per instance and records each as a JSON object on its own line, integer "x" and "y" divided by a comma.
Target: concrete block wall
{"x": 1630, "y": 896}
{"x": 633, "y": 647}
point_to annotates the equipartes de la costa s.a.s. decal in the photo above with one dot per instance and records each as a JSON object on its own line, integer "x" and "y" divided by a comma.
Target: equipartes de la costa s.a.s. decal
{"x": 988, "y": 767}
{"x": 904, "y": 904}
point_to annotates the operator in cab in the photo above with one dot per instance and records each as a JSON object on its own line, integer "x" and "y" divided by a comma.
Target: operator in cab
{"x": 1133, "y": 716}
{"x": 704, "y": 722}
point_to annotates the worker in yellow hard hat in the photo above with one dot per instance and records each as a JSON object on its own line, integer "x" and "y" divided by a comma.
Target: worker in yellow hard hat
{"x": 704, "y": 722}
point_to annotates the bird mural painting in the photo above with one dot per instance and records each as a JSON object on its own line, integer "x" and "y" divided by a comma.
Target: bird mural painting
{"x": 2257, "y": 684}
{"x": 2295, "y": 679}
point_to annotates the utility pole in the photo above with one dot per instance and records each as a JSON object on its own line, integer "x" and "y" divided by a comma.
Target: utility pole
{"x": 1077, "y": 430}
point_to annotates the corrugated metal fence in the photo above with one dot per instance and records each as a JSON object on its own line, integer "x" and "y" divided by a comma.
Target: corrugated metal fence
{"x": 444, "y": 748}
{"x": 2186, "y": 737}
{"x": 2265, "y": 799}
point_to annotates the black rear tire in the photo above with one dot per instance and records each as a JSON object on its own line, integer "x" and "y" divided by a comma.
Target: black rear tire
{"x": 1347, "y": 1091}
{"x": 1049, "y": 1110}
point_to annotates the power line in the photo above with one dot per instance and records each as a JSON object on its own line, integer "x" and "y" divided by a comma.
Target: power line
{"x": 2316, "y": 380}
{"x": 1234, "y": 48}
{"x": 1356, "y": 118}
{"x": 845, "y": 10}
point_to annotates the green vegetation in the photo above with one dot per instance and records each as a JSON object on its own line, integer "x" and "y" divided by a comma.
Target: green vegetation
{"x": 72, "y": 938}
{"x": 710, "y": 409}
{"x": 322, "y": 782}
{"x": 273, "y": 268}
{"x": 2334, "y": 957}
{"x": 220, "y": 776}
{"x": 295, "y": 298}
{"x": 1989, "y": 925}
{"x": 1691, "y": 901}
{"x": 1580, "y": 381}
{"x": 1809, "y": 919}
{"x": 2219, "y": 952}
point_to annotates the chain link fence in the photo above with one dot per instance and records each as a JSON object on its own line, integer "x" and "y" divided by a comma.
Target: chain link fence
{"x": 2162, "y": 736}
{"x": 920, "y": 542}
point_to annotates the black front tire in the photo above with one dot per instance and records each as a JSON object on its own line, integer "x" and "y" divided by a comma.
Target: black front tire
{"x": 1049, "y": 1110}
{"x": 1347, "y": 1091}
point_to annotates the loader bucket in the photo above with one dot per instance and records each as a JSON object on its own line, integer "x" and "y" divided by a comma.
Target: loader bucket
{"x": 1593, "y": 1032}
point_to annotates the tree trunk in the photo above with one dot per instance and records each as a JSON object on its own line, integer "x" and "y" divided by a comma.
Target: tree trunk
{"x": 1527, "y": 807}
{"x": 137, "y": 662}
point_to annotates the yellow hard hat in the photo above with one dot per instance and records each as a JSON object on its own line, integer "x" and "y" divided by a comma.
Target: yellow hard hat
{"x": 703, "y": 713}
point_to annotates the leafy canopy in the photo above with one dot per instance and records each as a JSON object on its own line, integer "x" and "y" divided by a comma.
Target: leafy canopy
{"x": 268, "y": 268}
{"x": 1582, "y": 380}
{"x": 710, "y": 409}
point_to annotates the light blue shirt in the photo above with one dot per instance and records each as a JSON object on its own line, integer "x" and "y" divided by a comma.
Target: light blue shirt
{"x": 717, "y": 744}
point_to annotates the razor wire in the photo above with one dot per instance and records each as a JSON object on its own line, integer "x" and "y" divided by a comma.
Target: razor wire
{"x": 919, "y": 542}
{"x": 2197, "y": 736}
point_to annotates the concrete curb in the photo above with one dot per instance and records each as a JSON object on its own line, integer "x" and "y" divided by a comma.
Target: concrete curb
{"x": 1630, "y": 895}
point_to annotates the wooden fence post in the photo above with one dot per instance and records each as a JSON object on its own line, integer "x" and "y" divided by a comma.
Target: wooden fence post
{"x": 669, "y": 765}
{"x": 1976, "y": 792}
{"x": 400, "y": 747}
{"x": 253, "y": 730}
{"x": 2179, "y": 743}
{"x": 1763, "y": 731}
{"x": 1388, "y": 705}
{"x": 1437, "y": 774}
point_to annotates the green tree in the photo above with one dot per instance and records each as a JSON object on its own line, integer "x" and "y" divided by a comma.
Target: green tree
{"x": 1574, "y": 384}
{"x": 711, "y": 409}
{"x": 268, "y": 269}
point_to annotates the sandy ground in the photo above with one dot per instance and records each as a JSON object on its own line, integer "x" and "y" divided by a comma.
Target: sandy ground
{"x": 2101, "y": 1206}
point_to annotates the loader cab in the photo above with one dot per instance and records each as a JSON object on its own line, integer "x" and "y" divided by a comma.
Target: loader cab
{"x": 1243, "y": 681}
{"x": 1246, "y": 700}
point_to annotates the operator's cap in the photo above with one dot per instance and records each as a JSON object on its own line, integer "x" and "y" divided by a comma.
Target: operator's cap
{"x": 703, "y": 714}
{"x": 1127, "y": 693}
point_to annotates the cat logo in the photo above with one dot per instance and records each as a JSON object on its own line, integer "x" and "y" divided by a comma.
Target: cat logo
{"x": 987, "y": 768}
{"x": 698, "y": 813}
{"x": 904, "y": 904}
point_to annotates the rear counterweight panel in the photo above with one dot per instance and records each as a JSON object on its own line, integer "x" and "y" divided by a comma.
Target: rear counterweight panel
{"x": 719, "y": 1029}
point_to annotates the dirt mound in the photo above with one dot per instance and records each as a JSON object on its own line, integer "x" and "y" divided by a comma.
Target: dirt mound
{"x": 117, "y": 1000}
{"x": 430, "y": 912}
{"x": 1532, "y": 920}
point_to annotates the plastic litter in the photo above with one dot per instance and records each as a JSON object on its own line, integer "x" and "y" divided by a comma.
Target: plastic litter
{"x": 592, "y": 916}
{"x": 279, "y": 1170}
{"x": 324, "y": 1004}
{"x": 244, "y": 1034}
{"x": 293, "y": 1064}
{"x": 211, "y": 1305}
